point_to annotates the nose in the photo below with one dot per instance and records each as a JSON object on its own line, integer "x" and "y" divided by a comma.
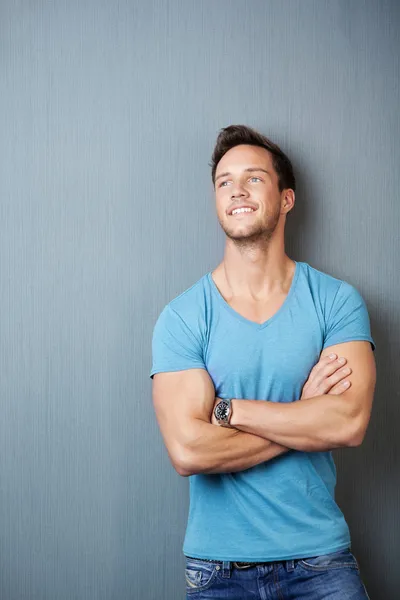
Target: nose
{"x": 237, "y": 191}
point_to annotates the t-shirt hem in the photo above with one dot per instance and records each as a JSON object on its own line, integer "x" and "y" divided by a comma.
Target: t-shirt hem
{"x": 306, "y": 554}
{"x": 174, "y": 369}
{"x": 360, "y": 338}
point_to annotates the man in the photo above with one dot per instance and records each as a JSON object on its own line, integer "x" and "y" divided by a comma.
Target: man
{"x": 260, "y": 369}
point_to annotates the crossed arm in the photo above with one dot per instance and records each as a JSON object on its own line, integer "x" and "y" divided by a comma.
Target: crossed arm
{"x": 264, "y": 430}
{"x": 322, "y": 422}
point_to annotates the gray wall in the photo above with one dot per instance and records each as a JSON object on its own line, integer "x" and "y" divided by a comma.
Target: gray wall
{"x": 109, "y": 111}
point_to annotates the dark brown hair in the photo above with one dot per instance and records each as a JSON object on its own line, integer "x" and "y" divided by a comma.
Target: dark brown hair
{"x": 233, "y": 135}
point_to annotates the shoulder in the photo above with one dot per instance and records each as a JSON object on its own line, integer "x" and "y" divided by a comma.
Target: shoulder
{"x": 329, "y": 289}
{"x": 178, "y": 334}
{"x": 191, "y": 299}
{"x": 319, "y": 280}
{"x": 345, "y": 312}
{"x": 187, "y": 308}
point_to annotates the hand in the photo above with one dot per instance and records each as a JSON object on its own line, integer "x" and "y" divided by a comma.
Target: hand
{"x": 327, "y": 376}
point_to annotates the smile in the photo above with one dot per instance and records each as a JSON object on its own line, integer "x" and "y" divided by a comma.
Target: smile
{"x": 242, "y": 211}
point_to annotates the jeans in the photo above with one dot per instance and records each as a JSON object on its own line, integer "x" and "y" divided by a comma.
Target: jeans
{"x": 333, "y": 576}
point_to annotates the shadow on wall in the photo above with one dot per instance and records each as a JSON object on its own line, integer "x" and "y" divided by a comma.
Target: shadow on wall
{"x": 371, "y": 471}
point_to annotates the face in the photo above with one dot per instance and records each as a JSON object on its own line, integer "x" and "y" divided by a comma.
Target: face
{"x": 245, "y": 177}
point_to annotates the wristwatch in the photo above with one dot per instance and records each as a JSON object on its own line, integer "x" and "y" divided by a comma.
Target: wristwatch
{"x": 223, "y": 412}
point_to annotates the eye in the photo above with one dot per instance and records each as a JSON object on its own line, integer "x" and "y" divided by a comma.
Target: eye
{"x": 222, "y": 184}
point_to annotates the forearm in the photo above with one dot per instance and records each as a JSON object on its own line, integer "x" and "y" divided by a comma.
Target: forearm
{"x": 215, "y": 449}
{"x": 313, "y": 424}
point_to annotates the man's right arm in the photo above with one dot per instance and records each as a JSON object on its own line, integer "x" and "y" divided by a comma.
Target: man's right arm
{"x": 183, "y": 402}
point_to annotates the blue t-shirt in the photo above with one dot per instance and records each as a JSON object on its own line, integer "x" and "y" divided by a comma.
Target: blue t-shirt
{"x": 283, "y": 508}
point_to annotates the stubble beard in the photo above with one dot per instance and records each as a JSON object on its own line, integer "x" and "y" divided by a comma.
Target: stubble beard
{"x": 258, "y": 235}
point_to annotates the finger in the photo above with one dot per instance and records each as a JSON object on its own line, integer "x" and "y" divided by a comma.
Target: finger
{"x": 340, "y": 387}
{"x": 329, "y": 357}
{"x": 325, "y": 369}
{"x": 338, "y": 375}
{"x": 332, "y": 367}
{"x": 323, "y": 362}
{"x": 326, "y": 383}
{"x": 326, "y": 359}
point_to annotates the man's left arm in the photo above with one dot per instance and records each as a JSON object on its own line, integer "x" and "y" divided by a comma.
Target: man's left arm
{"x": 322, "y": 422}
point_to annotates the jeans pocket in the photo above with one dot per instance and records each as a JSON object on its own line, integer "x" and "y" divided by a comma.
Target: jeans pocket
{"x": 334, "y": 560}
{"x": 199, "y": 574}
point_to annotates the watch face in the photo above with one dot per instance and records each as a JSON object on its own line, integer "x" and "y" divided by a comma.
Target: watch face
{"x": 221, "y": 411}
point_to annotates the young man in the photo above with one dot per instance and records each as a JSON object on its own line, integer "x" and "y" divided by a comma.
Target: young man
{"x": 249, "y": 372}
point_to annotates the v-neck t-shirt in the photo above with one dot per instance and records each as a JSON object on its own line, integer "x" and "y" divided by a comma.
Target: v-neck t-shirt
{"x": 283, "y": 508}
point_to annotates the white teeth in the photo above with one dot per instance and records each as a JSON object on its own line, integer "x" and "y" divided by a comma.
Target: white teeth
{"x": 240, "y": 210}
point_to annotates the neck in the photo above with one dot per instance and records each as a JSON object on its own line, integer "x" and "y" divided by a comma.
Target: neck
{"x": 256, "y": 272}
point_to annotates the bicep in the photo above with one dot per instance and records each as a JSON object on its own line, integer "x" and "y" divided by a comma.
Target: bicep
{"x": 179, "y": 399}
{"x": 359, "y": 397}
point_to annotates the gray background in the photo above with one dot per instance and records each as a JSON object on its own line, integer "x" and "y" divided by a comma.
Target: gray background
{"x": 109, "y": 112}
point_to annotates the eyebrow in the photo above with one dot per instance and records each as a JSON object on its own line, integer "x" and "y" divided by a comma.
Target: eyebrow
{"x": 249, "y": 169}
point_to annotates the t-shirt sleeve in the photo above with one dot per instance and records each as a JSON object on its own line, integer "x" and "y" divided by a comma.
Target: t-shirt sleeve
{"x": 348, "y": 319}
{"x": 175, "y": 347}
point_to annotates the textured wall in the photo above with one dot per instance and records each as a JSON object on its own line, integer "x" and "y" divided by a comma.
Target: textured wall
{"x": 108, "y": 112}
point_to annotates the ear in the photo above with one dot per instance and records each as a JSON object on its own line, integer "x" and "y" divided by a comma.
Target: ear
{"x": 288, "y": 200}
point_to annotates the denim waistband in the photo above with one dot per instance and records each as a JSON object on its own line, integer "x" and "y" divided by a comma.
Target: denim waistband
{"x": 239, "y": 564}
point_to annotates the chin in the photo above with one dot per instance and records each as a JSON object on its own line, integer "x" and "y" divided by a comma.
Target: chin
{"x": 244, "y": 235}
{"x": 255, "y": 233}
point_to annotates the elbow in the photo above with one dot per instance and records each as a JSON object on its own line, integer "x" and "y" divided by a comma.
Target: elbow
{"x": 188, "y": 459}
{"x": 356, "y": 439}
{"x": 331, "y": 442}
{"x": 188, "y": 466}
{"x": 182, "y": 470}
{"x": 354, "y": 442}
{"x": 183, "y": 464}
{"x": 357, "y": 434}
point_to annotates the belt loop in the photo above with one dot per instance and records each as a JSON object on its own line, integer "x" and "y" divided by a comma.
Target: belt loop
{"x": 226, "y": 568}
{"x": 290, "y": 565}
